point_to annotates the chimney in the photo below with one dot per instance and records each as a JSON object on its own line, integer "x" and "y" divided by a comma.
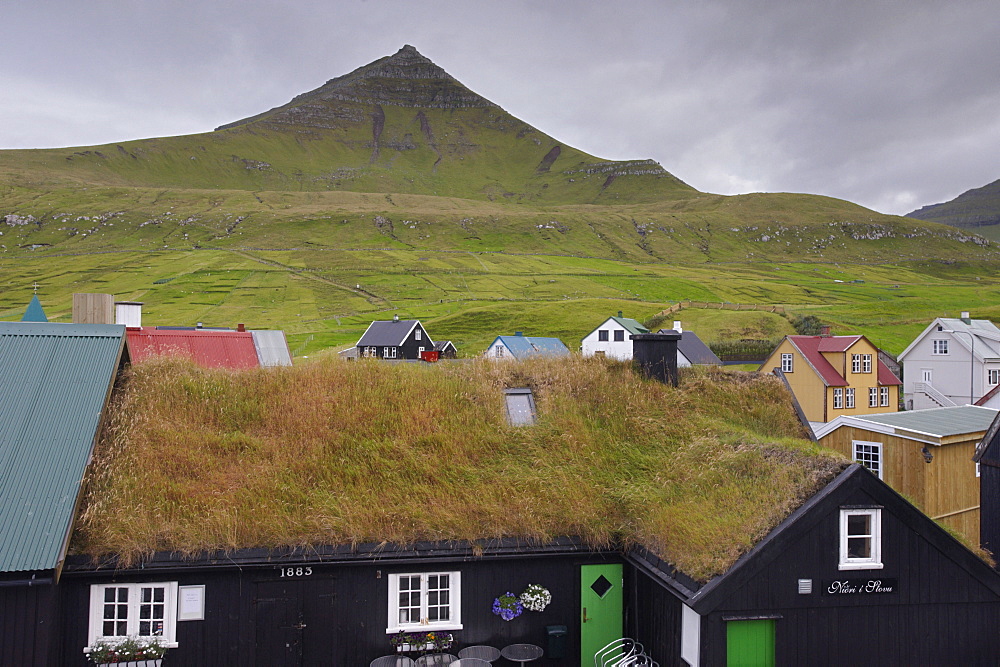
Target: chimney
{"x": 965, "y": 317}
{"x": 619, "y": 313}
{"x": 656, "y": 355}
{"x": 93, "y": 309}
{"x": 199, "y": 325}
{"x": 677, "y": 326}
{"x": 241, "y": 327}
{"x": 128, "y": 313}
{"x": 395, "y": 318}
{"x": 824, "y": 331}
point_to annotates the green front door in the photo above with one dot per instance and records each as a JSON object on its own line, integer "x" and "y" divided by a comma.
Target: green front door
{"x": 600, "y": 609}
{"x": 750, "y": 643}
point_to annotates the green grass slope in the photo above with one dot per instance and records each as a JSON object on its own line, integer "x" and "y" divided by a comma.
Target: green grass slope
{"x": 396, "y": 189}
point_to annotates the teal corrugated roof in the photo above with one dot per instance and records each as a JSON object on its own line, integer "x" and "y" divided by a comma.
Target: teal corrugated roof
{"x": 55, "y": 379}
{"x": 34, "y": 312}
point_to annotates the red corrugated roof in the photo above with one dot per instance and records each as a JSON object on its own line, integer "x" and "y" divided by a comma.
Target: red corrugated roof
{"x": 812, "y": 348}
{"x": 213, "y": 349}
{"x": 835, "y": 343}
{"x": 886, "y": 376}
{"x": 809, "y": 346}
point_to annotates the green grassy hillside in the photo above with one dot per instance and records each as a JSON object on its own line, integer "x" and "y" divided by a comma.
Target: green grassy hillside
{"x": 396, "y": 189}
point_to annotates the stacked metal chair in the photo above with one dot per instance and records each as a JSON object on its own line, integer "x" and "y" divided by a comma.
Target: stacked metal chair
{"x": 623, "y": 652}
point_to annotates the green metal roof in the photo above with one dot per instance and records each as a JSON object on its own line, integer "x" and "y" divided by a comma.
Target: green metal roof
{"x": 941, "y": 422}
{"x": 55, "y": 381}
{"x": 632, "y": 326}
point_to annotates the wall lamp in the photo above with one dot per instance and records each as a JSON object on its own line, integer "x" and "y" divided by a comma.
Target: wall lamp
{"x": 928, "y": 457}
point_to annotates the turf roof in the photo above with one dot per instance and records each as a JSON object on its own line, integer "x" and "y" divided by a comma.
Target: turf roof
{"x": 333, "y": 453}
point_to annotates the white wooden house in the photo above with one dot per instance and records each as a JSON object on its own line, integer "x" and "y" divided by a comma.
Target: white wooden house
{"x": 611, "y": 338}
{"x": 954, "y": 361}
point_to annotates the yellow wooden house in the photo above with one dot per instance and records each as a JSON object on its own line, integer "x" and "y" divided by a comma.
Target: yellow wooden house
{"x": 832, "y": 376}
{"x": 927, "y": 455}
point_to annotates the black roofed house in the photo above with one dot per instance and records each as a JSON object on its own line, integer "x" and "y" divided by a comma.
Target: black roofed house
{"x": 394, "y": 339}
{"x": 55, "y": 381}
{"x": 446, "y": 349}
{"x": 855, "y": 575}
{"x": 987, "y": 458}
{"x": 770, "y": 554}
{"x": 691, "y": 351}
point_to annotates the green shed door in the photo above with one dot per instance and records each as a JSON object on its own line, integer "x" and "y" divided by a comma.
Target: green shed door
{"x": 750, "y": 643}
{"x": 601, "y": 609}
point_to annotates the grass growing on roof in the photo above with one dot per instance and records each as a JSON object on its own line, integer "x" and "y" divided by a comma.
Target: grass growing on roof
{"x": 333, "y": 452}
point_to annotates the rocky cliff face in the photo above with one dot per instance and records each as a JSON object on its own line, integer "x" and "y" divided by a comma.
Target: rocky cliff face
{"x": 405, "y": 79}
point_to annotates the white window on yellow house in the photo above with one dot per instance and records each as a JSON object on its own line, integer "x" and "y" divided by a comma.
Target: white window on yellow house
{"x": 838, "y": 398}
{"x": 786, "y": 362}
{"x": 850, "y": 397}
{"x": 872, "y": 397}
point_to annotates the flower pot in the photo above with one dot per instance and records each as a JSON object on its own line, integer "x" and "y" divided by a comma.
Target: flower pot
{"x": 133, "y": 663}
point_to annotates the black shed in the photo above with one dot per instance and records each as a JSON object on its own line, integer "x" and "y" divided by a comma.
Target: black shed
{"x": 856, "y": 575}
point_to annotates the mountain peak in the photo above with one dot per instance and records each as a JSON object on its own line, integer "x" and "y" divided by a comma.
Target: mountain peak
{"x": 406, "y": 79}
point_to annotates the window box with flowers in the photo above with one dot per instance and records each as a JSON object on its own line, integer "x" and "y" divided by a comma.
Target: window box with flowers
{"x": 128, "y": 652}
{"x": 422, "y": 642}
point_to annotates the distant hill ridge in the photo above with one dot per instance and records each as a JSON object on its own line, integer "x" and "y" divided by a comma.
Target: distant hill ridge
{"x": 979, "y": 207}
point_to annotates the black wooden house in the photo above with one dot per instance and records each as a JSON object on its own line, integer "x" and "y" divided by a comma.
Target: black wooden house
{"x": 987, "y": 458}
{"x": 849, "y": 573}
{"x": 394, "y": 339}
{"x": 856, "y": 575}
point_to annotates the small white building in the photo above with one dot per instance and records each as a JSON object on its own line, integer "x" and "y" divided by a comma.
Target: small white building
{"x": 611, "y": 338}
{"x": 954, "y": 361}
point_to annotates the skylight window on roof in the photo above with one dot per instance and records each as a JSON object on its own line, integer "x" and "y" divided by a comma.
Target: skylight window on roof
{"x": 520, "y": 406}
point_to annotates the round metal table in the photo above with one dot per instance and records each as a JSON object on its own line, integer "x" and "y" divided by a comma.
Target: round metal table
{"x": 487, "y": 653}
{"x": 522, "y": 653}
{"x": 436, "y": 659}
{"x": 392, "y": 661}
{"x": 470, "y": 662}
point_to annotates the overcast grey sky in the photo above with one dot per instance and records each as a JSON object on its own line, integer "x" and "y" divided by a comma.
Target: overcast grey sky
{"x": 892, "y": 105}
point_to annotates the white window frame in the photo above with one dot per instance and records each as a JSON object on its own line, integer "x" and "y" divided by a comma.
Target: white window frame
{"x": 866, "y": 363}
{"x": 993, "y": 376}
{"x": 868, "y": 454}
{"x": 838, "y": 398}
{"x": 849, "y": 398}
{"x": 96, "y": 628}
{"x": 454, "y": 602}
{"x": 420, "y": 351}
{"x": 417, "y": 333}
{"x": 883, "y": 393}
{"x": 498, "y": 351}
{"x": 874, "y": 560}
{"x": 872, "y": 397}
{"x": 939, "y": 346}
{"x": 855, "y": 363}
{"x": 787, "y": 361}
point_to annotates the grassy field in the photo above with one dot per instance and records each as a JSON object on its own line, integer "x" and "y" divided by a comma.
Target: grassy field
{"x": 324, "y": 299}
